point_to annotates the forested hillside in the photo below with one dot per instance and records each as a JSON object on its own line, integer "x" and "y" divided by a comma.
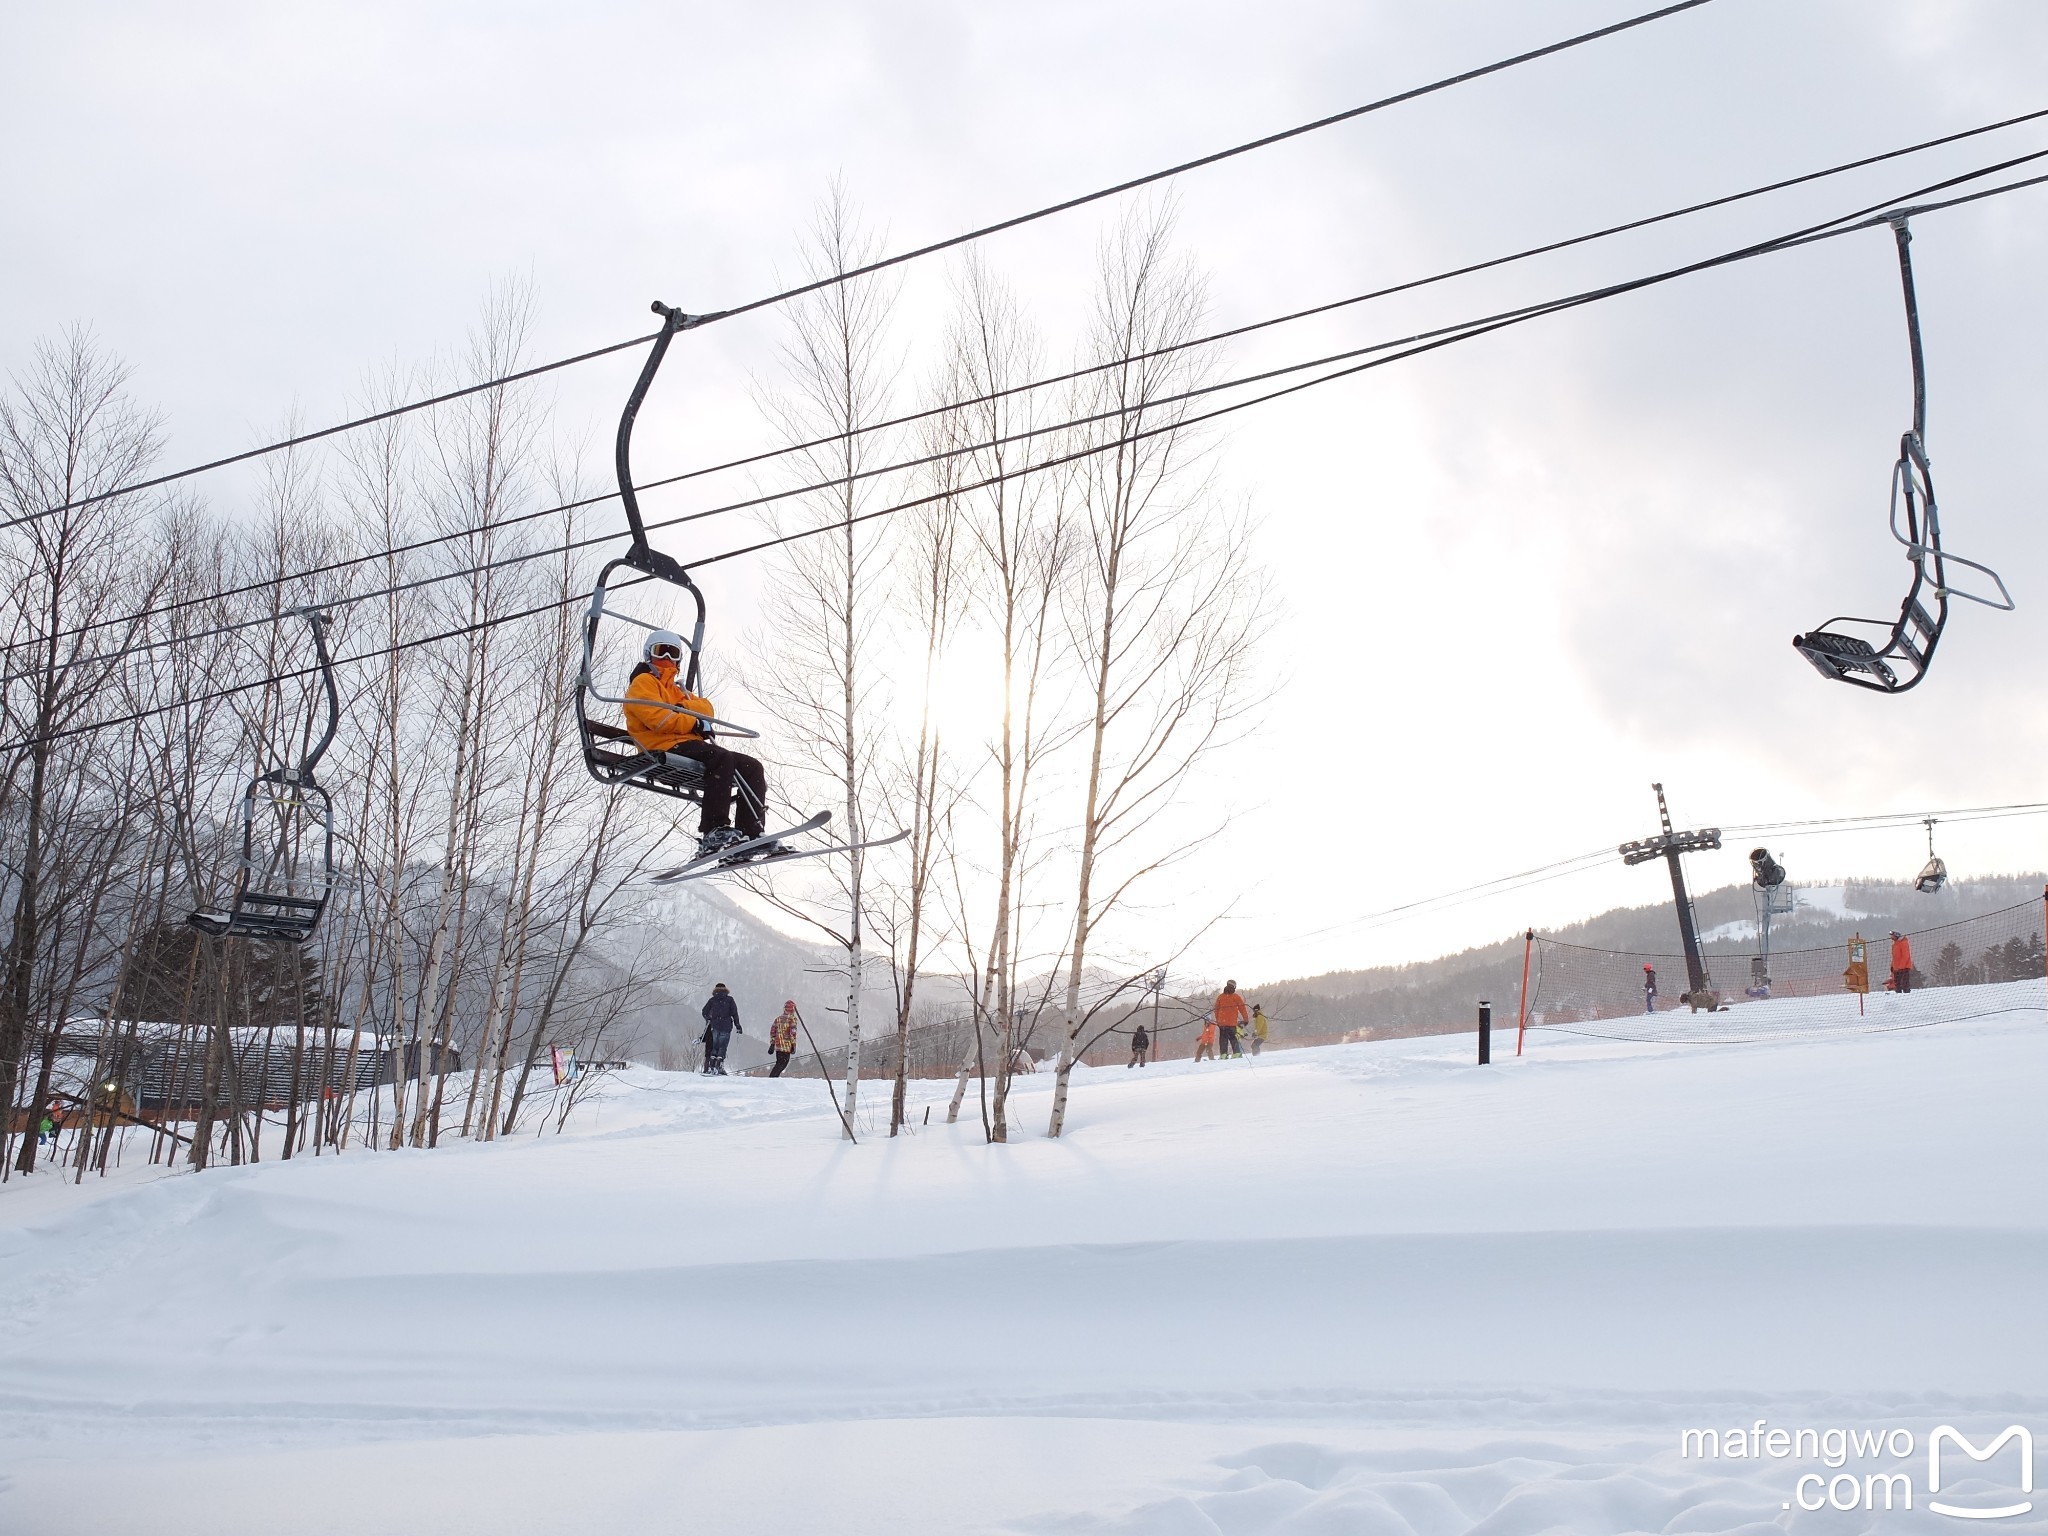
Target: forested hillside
{"x": 1442, "y": 995}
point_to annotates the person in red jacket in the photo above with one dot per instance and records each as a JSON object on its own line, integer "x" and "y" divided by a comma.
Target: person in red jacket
{"x": 1902, "y": 963}
{"x": 1231, "y": 1015}
{"x": 1205, "y": 1044}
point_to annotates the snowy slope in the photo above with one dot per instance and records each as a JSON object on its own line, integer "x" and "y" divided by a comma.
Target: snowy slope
{"x": 1365, "y": 1288}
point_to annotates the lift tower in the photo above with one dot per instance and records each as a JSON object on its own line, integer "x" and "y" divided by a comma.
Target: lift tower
{"x": 1668, "y": 845}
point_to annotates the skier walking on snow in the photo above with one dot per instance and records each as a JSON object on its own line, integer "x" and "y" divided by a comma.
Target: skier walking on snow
{"x": 782, "y": 1037}
{"x": 1649, "y": 989}
{"x": 1230, "y": 1014}
{"x": 1260, "y": 1026}
{"x": 1902, "y": 963}
{"x": 1205, "y": 1047}
{"x": 1140, "y": 1044}
{"x": 721, "y": 1018}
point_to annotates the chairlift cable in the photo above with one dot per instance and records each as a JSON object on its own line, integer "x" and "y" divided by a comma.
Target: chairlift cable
{"x": 1430, "y": 339}
{"x": 1887, "y": 820}
{"x": 1826, "y": 230}
{"x": 765, "y": 499}
{"x": 868, "y": 269}
{"x": 1449, "y": 336}
{"x": 1069, "y": 376}
{"x": 1579, "y": 863}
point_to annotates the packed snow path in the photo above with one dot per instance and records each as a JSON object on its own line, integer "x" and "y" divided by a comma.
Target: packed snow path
{"x": 1362, "y": 1289}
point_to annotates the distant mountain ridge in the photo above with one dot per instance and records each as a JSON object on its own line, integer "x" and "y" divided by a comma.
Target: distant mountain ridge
{"x": 1441, "y": 996}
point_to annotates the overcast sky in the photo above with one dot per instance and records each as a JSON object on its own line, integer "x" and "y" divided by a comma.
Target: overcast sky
{"x": 1519, "y": 579}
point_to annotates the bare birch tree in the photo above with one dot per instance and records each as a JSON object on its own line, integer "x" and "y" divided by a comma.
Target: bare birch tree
{"x": 1162, "y": 605}
{"x": 1017, "y": 527}
{"x": 68, "y": 432}
{"x": 829, "y": 599}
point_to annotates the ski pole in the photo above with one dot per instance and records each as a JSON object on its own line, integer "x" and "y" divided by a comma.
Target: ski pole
{"x": 826, "y": 1073}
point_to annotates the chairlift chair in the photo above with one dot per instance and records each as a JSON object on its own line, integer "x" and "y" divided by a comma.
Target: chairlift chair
{"x": 1933, "y": 874}
{"x": 1908, "y": 647}
{"x": 279, "y": 897}
{"x": 609, "y": 751}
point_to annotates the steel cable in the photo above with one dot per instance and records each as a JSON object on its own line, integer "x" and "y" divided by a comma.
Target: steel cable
{"x": 1826, "y": 230}
{"x": 868, "y": 269}
{"x": 766, "y": 455}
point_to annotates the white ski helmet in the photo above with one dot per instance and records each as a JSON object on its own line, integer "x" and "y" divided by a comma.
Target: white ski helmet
{"x": 656, "y": 637}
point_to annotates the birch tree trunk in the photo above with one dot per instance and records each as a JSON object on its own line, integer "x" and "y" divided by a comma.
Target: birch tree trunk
{"x": 1164, "y": 602}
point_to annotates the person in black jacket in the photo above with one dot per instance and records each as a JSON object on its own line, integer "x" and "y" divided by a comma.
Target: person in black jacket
{"x": 1140, "y": 1044}
{"x": 721, "y": 1018}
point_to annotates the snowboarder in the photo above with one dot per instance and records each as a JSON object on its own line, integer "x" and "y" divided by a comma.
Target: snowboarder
{"x": 1260, "y": 1027}
{"x": 1649, "y": 989}
{"x": 657, "y": 725}
{"x": 1230, "y": 1014}
{"x": 721, "y": 1018}
{"x": 782, "y": 1037}
{"x": 1902, "y": 963}
{"x": 1141, "y": 1044}
{"x": 1205, "y": 1047}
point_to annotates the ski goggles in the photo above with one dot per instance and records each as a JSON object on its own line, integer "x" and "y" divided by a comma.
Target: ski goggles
{"x": 668, "y": 653}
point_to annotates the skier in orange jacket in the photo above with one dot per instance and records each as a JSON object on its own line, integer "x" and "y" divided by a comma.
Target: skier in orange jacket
{"x": 1231, "y": 1014}
{"x": 661, "y": 716}
{"x": 1902, "y": 963}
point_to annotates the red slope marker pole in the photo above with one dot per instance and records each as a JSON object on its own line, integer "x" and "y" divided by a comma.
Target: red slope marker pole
{"x": 1529, "y": 943}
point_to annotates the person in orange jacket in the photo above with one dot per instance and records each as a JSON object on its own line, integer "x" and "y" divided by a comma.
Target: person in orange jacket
{"x": 1205, "y": 1047}
{"x": 662, "y": 716}
{"x": 1902, "y": 963}
{"x": 1231, "y": 1015}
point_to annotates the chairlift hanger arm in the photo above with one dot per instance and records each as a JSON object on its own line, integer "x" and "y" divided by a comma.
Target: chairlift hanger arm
{"x": 1902, "y": 235}
{"x": 319, "y": 621}
{"x": 672, "y": 320}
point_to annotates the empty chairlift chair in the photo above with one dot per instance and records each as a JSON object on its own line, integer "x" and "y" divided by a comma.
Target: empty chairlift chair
{"x": 1907, "y": 648}
{"x": 282, "y": 887}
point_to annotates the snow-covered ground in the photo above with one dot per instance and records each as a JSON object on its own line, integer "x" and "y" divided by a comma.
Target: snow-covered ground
{"x": 1369, "y": 1288}
{"x": 1741, "y": 1021}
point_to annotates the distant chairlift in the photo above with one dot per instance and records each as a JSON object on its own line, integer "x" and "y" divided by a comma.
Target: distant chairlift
{"x": 280, "y": 895}
{"x": 1933, "y": 874}
{"x": 1908, "y": 649}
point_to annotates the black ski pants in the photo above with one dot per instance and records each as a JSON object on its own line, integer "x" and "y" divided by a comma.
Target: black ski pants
{"x": 1902, "y": 981}
{"x": 1227, "y": 1035}
{"x": 723, "y": 770}
{"x": 781, "y": 1061}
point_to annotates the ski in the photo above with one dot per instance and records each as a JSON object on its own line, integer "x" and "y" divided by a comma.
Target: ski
{"x": 725, "y": 863}
{"x": 708, "y": 863}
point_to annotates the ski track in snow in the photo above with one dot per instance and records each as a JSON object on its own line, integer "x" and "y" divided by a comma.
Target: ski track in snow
{"x": 1359, "y": 1289}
